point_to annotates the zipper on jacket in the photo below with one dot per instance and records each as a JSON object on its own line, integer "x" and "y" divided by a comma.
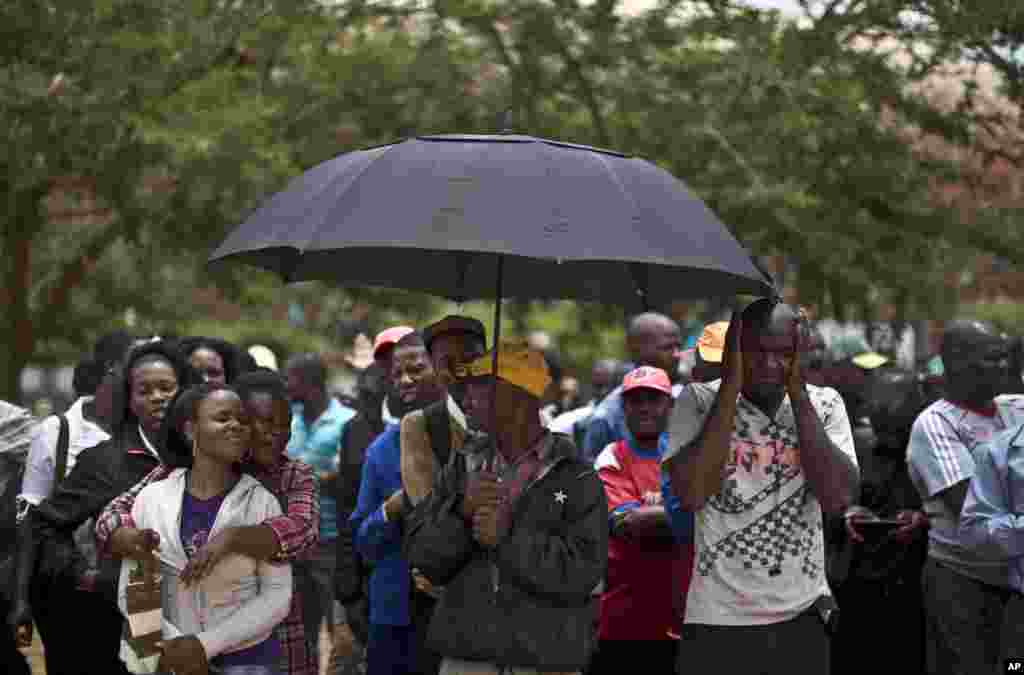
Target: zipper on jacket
{"x": 495, "y": 572}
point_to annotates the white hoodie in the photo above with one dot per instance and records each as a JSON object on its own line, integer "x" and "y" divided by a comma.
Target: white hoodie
{"x": 240, "y": 602}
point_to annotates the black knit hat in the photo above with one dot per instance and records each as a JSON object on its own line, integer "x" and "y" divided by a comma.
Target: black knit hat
{"x": 453, "y": 324}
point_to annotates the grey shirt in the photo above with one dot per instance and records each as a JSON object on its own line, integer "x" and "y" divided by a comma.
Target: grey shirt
{"x": 944, "y": 446}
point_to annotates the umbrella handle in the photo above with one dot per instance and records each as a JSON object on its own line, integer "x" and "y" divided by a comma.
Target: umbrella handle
{"x": 640, "y": 281}
{"x": 499, "y": 286}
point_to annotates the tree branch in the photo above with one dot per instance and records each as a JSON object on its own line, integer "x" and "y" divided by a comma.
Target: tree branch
{"x": 586, "y": 90}
{"x": 74, "y": 271}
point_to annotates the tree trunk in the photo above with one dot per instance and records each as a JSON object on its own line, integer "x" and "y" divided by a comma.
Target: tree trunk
{"x": 11, "y": 364}
{"x": 17, "y": 337}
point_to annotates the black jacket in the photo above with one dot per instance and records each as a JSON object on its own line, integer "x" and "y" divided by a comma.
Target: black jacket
{"x": 349, "y": 575}
{"x": 526, "y": 603}
{"x": 886, "y": 489}
{"x": 101, "y": 474}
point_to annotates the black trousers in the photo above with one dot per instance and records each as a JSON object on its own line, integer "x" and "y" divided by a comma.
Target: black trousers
{"x": 964, "y": 622}
{"x": 81, "y": 632}
{"x": 12, "y": 662}
{"x": 652, "y": 657}
{"x": 799, "y": 646}
{"x": 881, "y": 627}
{"x": 421, "y": 611}
{"x": 1013, "y": 628}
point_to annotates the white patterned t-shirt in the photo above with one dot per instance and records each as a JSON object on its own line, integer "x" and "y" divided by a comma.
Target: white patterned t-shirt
{"x": 759, "y": 553}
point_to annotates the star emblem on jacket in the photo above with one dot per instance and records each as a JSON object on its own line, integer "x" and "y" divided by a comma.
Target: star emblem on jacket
{"x": 560, "y": 497}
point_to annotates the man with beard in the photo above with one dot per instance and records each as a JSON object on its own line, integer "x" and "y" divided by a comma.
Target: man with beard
{"x": 392, "y": 646}
{"x": 965, "y": 590}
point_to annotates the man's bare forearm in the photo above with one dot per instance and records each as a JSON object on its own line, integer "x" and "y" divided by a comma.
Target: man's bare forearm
{"x": 832, "y": 476}
{"x": 696, "y": 472}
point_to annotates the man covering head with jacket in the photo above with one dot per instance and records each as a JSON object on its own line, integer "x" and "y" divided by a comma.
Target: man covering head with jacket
{"x": 515, "y": 529}
{"x": 429, "y": 435}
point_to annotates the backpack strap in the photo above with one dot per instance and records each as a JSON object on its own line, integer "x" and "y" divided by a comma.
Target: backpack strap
{"x": 63, "y": 440}
{"x": 439, "y": 431}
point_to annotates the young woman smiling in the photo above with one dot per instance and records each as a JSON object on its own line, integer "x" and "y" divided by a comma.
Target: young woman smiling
{"x": 285, "y": 538}
{"x": 224, "y": 620}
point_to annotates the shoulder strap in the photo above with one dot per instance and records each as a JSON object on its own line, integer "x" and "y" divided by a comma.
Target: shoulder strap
{"x": 63, "y": 440}
{"x": 438, "y": 430}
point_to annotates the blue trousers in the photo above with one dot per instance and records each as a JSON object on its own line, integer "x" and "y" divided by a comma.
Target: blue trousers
{"x": 390, "y": 650}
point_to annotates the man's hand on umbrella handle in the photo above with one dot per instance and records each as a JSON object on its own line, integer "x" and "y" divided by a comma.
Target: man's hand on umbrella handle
{"x": 732, "y": 359}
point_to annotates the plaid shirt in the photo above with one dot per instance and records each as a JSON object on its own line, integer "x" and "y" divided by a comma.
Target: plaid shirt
{"x": 297, "y": 532}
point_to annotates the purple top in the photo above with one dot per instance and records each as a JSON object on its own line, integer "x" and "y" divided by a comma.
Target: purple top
{"x": 197, "y": 517}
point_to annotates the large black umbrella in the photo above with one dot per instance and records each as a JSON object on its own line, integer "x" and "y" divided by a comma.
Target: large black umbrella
{"x": 497, "y": 216}
{"x": 465, "y": 216}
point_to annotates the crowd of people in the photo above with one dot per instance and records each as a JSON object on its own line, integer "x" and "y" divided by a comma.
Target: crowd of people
{"x": 754, "y": 504}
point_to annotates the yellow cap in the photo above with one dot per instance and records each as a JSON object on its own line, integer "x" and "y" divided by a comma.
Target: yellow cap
{"x": 711, "y": 343}
{"x": 518, "y": 365}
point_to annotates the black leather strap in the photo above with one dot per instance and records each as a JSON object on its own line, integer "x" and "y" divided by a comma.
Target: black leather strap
{"x": 63, "y": 440}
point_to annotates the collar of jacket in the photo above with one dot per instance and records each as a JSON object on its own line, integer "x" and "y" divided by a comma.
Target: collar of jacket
{"x": 554, "y": 448}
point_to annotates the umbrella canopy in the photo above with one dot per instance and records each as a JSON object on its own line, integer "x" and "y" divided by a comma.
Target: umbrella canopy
{"x": 437, "y": 213}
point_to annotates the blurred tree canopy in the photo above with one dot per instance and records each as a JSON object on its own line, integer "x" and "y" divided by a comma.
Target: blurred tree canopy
{"x": 138, "y": 132}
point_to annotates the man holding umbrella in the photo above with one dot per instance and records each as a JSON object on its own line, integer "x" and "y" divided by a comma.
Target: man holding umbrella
{"x": 515, "y": 529}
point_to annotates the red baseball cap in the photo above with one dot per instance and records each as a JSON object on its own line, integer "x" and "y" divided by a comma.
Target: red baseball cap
{"x": 646, "y": 377}
{"x": 390, "y": 336}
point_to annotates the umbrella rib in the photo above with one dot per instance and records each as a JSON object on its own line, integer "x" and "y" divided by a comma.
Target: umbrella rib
{"x": 615, "y": 178}
{"x": 329, "y": 217}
